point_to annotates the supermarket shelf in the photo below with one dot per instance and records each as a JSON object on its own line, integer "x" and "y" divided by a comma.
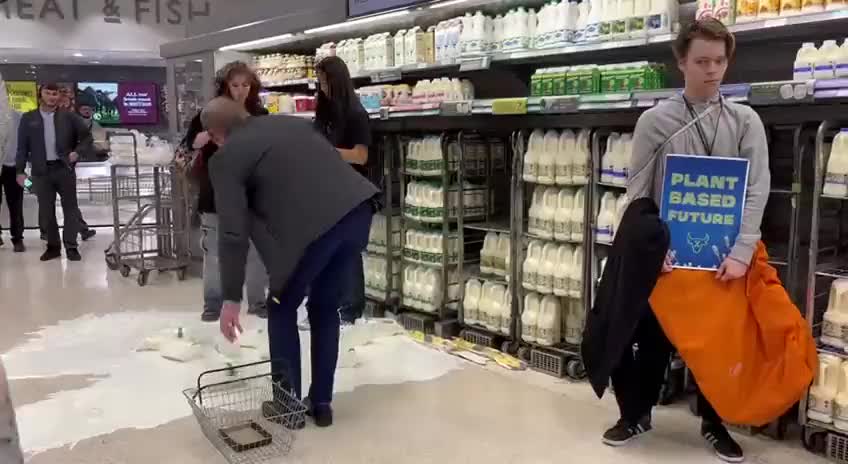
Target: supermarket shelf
{"x": 310, "y": 82}
{"x": 832, "y": 271}
{"x": 832, "y": 351}
{"x": 305, "y": 115}
{"x": 762, "y": 27}
{"x": 427, "y": 263}
{"x": 825, "y": 427}
{"x": 537, "y": 237}
{"x": 612, "y": 186}
{"x": 833, "y": 197}
{"x": 562, "y": 348}
{"x": 475, "y": 273}
{"x": 500, "y": 226}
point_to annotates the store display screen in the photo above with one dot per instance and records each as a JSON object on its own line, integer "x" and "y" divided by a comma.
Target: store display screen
{"x": 121, "y": 103}
{"x": 23, "y": 95}
{"x": 365, "y": 7}
{"x": 103, "y": 97}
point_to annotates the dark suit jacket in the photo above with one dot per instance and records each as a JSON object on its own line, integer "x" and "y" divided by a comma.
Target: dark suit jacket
{"x": 72, "y": 135}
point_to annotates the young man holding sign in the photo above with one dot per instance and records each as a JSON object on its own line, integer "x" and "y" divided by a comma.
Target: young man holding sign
{"x": 698, "y": 122}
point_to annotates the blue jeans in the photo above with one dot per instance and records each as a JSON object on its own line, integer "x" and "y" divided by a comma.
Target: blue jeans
{"x": 322, "y": 271}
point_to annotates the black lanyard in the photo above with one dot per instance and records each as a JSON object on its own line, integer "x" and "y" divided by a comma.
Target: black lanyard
{"x": 701, "y": 134}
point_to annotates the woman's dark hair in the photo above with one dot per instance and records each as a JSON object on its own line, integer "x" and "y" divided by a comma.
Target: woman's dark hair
{"x": 332, "y": 110}
{"x": 253, "y": 104}
{"x": 705, "y": 29}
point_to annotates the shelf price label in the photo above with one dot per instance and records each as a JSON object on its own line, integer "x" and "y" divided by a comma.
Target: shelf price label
{"x": 475, "y": 64}
{"x": 389, "y": 75}
{"x": 509, "y": 106}
{"x": 457, "y": 108}
{"x": 556, "y": 105}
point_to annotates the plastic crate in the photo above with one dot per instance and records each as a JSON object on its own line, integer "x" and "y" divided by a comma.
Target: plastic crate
{"x": 837, "y": 448}
{"x": 418, "y": 322}
{"x": 548, "y": 363}
{"x": 480, "y": 338}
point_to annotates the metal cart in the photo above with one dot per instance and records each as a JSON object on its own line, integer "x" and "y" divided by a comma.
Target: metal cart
{"x": 155, "y": 238}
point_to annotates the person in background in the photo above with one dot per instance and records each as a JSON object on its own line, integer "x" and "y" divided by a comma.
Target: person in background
{"x": 236, "y": 81}
{"x": 280, "y": 184}
{"x": 100, "y": 147}
{"x": 9, "y": 186}
{"x": 716, "y": 127}
{"x": 50, "y": 141}
{"x": 340, "y": 117}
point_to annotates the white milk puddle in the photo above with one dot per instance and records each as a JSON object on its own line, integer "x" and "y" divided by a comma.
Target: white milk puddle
{"x": 143, "y": 390}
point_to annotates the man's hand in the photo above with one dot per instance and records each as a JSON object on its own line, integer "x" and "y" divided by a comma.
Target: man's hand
{"x": 73, "y": 157}
{"x": 21, "y": 179}
{"x": 668, "y": 264}
{"x": 230, "y": 325}
{"x": 201, "y": 140}
{"x": 731, "y": 269}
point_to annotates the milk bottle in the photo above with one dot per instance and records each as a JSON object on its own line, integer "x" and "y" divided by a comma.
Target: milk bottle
{"x": 579, "y": 162}
{"x": 608, "y": 160}
{"x": 548, "y": 213}
{"x": 620, "y": 207}
{"x": 824, "y": 389}
{"x": 562, "y": 217}
{"x": 594, "y": 20}
{"x": 562, "y": 273}
{"x": 545, "y": 281}
{"x": 621, "y": 165}
{"x": 547, "y": 163}
{"x": 841, "y": 62}
{"x": 531, "y": 265}
{"x": 530, "y": 318}
{"x": 487, "y": 254}
{"x": 608, "y": 16}
{"x": 501, "y": 264}
{"x": 563, "y": 164}
{"x": 471, "y": 305}
{"x": 836, "y": 178}
{"x": 535, "y": 145}
{"x": 496, "y": 303}
{"x": 835, "y": 326}
{"x": 803, "y": 67}
{"x": 536, "y": 205}
{"x": 624, "y": 12}
{"x": 550, "y": 321}
{"x": 486, "y": 304}
{"x": 574, "y": 321}
{"x": 532, "y": 26}
{"x": 581, "y": 26}
{"x": 840, "y": 406}
{"x": 606, "y": 219}
{"x": 828, "y": 53}
{"x": 576, "y": 283}
{"x": 577, "y": 213}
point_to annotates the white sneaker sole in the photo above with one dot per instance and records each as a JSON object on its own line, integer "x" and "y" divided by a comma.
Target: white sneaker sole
{"x": 730, "y": 459}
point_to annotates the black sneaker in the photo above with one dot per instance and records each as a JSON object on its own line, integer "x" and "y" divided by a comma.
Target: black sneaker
{"x": 623, "y": 432}
{"x": 210, "y": 315}
{"x": 260, "y": 311}
{"x": 725, "y": 446}
{"x": 51, "y": 254}
{"x": 322, "y": 414}
{"x": 19, "y": 247}
{"x": 87, "y": 234}
{"x": 73, "y": 254}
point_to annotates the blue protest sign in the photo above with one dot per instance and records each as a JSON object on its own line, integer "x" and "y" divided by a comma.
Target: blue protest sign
{"x": 702, "y": 202}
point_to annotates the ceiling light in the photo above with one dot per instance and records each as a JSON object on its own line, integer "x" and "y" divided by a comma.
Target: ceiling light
{"x": 254, "y": 43}
{"x": 444, "y": 4}
{"x": 94, "y": 62}
{"x": 353, "y": 22}
{"x": 78, "y": 55}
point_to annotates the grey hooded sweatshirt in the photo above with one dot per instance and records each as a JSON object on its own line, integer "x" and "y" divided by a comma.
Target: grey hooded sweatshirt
{"x": 740, "y": 134}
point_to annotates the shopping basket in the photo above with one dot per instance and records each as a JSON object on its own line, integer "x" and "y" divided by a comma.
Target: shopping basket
{"x": 237, "y": 415}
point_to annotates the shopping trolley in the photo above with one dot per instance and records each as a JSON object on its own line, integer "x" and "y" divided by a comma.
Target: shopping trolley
{"x": 236, "y": 413}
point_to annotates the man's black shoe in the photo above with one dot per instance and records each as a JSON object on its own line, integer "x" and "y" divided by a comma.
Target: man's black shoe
{"x": 73, "y": 254}
{"x": 321, "y": 414}
{"x": 19, "y": 247}
{"x": 87, "y": 234}
{"x": 624, "y": 432}
{"x": 724, "y": 445}
{"x": 51, "y": 254}
{"x": 210, "y": 315}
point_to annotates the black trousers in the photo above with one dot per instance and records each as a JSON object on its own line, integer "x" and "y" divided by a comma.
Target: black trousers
{"x": 59, "y": 179}
{"x": 15, "y": 202}
{"x": 641, "y": 372}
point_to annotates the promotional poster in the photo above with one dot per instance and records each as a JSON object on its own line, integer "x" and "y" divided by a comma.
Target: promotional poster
{"x": 23, "y": 95}
{"x": 138, "y": 103}
{"x": 102, "y": 96}
{"x": 702, "y": 203}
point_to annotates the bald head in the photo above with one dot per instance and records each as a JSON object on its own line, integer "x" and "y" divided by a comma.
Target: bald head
{"x": 220, "y": 116}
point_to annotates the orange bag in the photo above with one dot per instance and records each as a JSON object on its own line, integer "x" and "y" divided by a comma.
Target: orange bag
{"x": 751, "y": 351}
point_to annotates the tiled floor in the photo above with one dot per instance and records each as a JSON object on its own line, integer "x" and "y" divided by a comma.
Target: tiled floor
{"x": 466, "y": 414}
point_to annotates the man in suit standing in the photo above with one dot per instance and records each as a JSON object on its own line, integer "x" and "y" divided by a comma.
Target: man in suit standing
{"x": 49, "y": 140}
{"x": 9, "y": 186}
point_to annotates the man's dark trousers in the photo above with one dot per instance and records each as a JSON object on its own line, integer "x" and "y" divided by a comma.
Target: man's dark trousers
{"x": 15, "y": 202}
{"x": 60, "y": 178}
{"x": 321, "y": 269}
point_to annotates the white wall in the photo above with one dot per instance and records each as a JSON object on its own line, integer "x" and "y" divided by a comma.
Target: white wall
{"x": 90, "y": 25}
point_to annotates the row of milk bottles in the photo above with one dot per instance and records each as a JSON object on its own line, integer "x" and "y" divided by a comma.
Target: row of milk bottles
{"x": 495, "y": 254}
{"x": 547, "y": 319}
{"x": 426, "y": 200}
{"x": 489, "y": 305}
{"x": 835, "y": 326}
{"x": 377, "y": 275}
{"x": 624, "y": 19}
{"x": 429, "y": 246}
{"x": 836, "y": 177}
{"x": 557, "y": 214}
{"x": 423, "y": 288}
{"x": 609, "y": 216}
{"x": 615, "y": 163}
{"x": 553, "y": 269}
{"x": 828, "y": 62}
{"x": 555, "y": 158}
{"x": 424, "y": 156}
{"x": 828, "y": 398}
{"x": 377, "y": 235}
{"x": 442, "y": 89}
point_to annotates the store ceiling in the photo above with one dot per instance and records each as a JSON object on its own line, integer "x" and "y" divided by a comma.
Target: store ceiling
{"x": 80, "y": 57}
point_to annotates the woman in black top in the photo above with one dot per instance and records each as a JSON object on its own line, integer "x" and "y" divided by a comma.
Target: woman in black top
{"x": 237, "y": 81}
{"x": 342, "y": 119}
